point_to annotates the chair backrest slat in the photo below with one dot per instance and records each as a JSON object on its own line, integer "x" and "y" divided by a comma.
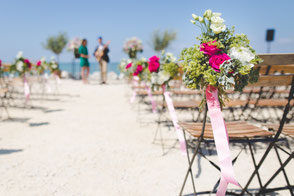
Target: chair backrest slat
{"x": 282, "y": 69}
{"x": 277, "y": 59}
{"x": 273, "y": 80}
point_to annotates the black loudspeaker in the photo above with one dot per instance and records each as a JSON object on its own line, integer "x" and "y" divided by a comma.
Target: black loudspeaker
{"x": 270, "y": 33}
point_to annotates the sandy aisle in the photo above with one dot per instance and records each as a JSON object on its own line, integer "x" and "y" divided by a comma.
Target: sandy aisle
{"x": 88, "y": 142}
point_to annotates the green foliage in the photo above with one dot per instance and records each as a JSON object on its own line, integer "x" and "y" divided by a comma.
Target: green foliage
{"x": 56, "y": 43}
{"x": 161, "y": 40}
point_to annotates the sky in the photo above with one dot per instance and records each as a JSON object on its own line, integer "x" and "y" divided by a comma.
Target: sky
{"x": 26, "y": 24}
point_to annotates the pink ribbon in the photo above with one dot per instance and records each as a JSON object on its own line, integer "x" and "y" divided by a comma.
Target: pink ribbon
{"x": 174, "y": 118}
{"x": 26, "y": 88}
{"x": 154, "y": 108}
{"x": 135, "y": 85}
{"x": 221, "y": 141}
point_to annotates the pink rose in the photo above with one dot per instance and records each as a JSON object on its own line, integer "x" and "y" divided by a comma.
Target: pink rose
{"x": 27, "y": 61}
{"x": 0, "y": 63}
{"x": 38, "y": 63}
{"x": 129, "y": 65}
{"x": 216, "y": 60}
{"x": 138, "y": 70}
{"x": 209, "y": 48}
{"x": 153, "y": 64}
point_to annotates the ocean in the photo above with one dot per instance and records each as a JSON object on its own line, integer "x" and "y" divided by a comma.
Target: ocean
{"x": 74, "y": 67}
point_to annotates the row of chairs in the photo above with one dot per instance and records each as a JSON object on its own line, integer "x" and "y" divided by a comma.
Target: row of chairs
{"x": 261, "y": 113}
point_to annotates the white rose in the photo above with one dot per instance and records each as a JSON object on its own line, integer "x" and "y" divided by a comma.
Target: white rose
{"x": 208, "y": 14}
{"x": 217, "y": 20}
{"x": 244, "y": 55}
{"x": 163, "y": 77}
{"x": 201, "y": 19}
{"x": 19, "y": 66}
{"x": 193, "y": 21}
{"x": 19, "y": 55}
{"x": 218, "y": 28}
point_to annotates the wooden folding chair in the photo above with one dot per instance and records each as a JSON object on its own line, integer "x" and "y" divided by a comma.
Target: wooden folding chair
{"x": 239, "y": 131}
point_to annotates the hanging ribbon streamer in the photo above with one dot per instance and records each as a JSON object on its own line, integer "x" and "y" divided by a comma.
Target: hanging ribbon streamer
{"x": 47, "y": 86}
{"x": 26, "y": 88}
{"x": 154, "y": 108}
{"x": 174, "y": 118}
{"x": 57, "y": 79}
{"x": 221, "y": 141}
{"x": 135, "y": 85}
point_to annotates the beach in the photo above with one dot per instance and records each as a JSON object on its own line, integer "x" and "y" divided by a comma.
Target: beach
{"x": 89, "y": 140}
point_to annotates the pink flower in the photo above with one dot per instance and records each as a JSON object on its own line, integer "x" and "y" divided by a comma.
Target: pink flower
{"x": 216, "y": 60}
{"x": 38, "y": 63}
{"x": 138, "y": 70}
{"x": 0, "y": 63}
{"x": 129, "y": 65}
{"x": 153, "y": 64}
{"x": 209, "y": 48}
{"x": 27, "y": 61}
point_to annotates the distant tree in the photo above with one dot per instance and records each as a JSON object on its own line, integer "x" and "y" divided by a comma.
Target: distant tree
{"x": 161, "y": 40}
{"x": 56, "y": 43}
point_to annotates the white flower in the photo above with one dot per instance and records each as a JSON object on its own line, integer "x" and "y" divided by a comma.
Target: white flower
{"x": 201, "y": 19}
{"x": 193, "y": 21}
{"x": 171, "y": 57}
{"x": 154, "y": 78}
{"x": 244, "y": 55}
{"x": 43, "y": 59}
{"x": 143, "y": 59}
{"x": 217, "y": 20}
{"x": 19, "y": 66}
{"x": 195, "y": 16}
{"x": 217, "y": 28}
{"x": 54, "y": 66}
{"x": 19, "y": 55}
{"x": 208, "y": 14}
{"x": 216, "y": 14}
{"x": 163, "y": 77}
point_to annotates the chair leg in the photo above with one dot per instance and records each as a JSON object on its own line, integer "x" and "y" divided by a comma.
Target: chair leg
{"x": 283, "y": 170}
{"x": 190, "y": 161}
{"x": 254, "y": 163}
{"x": 283, "y": 165}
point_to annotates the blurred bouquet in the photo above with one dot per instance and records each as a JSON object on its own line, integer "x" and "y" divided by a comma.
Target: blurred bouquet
{"x": 53, "y": 65}
{"x": 1, "y": 68}
{"x": 223, "y": 59}
{"x": 132, "y": 46}
{"x": 163, "y": 69}
{"x": 41, "y": 66}
{"x": 132, "y": 67}
{"x": 74, "y": 45}
{"x": 21, "y": 65}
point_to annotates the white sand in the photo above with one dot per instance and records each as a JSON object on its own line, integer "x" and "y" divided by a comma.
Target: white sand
{"x": 90, "y": 142}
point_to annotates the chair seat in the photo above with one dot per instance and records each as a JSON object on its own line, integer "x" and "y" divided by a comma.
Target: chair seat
{"x": 145, "y": 93}
{"x": 236, "y": 129}
{"x": 271, "y": 102}
{"x": 288, "y": 129}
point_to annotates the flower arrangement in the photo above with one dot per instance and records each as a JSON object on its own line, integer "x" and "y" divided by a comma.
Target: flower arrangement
{"x": 21, "y": 65}
{"x": 134, "y": 67}
{"x": 163, "y": 69}
{"x": 223, "y": 59}
{"x": 132, "y": 46}
{"x": 53, "y": 65}
{"x": 1, "y": 68}
{"x": 41, "y": 66}
{"x": 73, "y": 45}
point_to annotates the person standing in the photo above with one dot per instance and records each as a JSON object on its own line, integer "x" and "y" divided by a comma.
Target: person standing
{"x": 84, "y": 63}
{"x": 101, "y": 54}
